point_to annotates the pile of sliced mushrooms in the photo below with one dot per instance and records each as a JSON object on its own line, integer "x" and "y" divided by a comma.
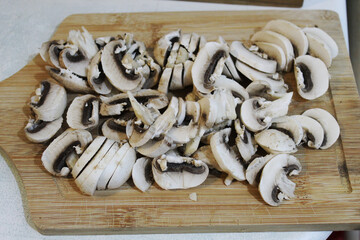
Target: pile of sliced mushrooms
{"x": 189, "y": 106}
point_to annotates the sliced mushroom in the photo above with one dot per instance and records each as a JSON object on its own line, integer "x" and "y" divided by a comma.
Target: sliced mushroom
{"x": 321, "y": 34}
{"x": 115, "y": 128}
{"x": 102, "y": 41}
{"x": 264, "y": 89}
{"x": 275, "y": 52}
{"x": 319, "y": 49}
{"x": 275, "y": 141}
{"x": 245, "y": 142}
{"x": 312, "y": 77}
{"x": 96, "y": 76}
{"x": 154, "y": 75}
{"x": 240, "y": 52}
{"x": 313, "y": 131}
{"x": 230, "y": 70}
{"x": 257, "y": 113}
{"x": 187, "y": 80}
{"x": 290, "y": 126}
{"x": 63, "y": 151}
{"x": 142, "y": 174}
{"x": 274, "y": 184}
{"x": 253, "y": 171}
{"x": 40, "y": 131}
{"x": 146, "y": 115}
{"x": 83, "y": 112}
{"x": 164, "y": 46}
{"x": 156, "y": 147}
{"x": 49, "y": 101}
{"x": 205, "y": 154}
{"x": 292, "y": 32}
{"x": 69, "y": 80}
{"x": 176, "y": 172}
{"x": 227, "y": 158}
{"x": 183, "y": 134}
{"x": 50, "y": 52}
{"x": 164, "y": 81}
{"x": 176, "y": 82}
{"x": 328, "y": 123}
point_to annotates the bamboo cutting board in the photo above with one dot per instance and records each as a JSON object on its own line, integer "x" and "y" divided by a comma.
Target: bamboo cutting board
{"x": 327, "y": 192}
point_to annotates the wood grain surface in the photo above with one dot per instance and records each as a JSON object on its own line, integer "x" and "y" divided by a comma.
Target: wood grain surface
{"x": 278, "y": 3}
{"x": 327, "y": 192}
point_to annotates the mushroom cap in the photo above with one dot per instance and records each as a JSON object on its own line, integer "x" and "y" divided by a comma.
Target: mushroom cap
{"x": 274, "y": 184}
{"x": 40, "y": 131}
{"x": 275, "y": 142}
{"x": 83, "y": 112}
{"x": 313, "y": 131}
{"x": 275, "y": 52}
{"x": 253, "y": 171}
{"x": 321, "y": 34}
{"x": 142, "y": 174}
{"x": 328, "y": 123}
{"x": 289, "y": 126}
{"x": 312, "y": 77}
{"x": 319, "y": 49}
{"x": 240, "y": 52}
{"x": 292, "y": 32}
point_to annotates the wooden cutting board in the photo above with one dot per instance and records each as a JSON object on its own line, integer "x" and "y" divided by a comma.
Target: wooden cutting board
{"x": 327, "y": 192}
{"x": 278, "y": 3}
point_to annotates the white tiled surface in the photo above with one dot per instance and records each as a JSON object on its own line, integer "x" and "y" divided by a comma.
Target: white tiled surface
{"x": 24, "y": 25}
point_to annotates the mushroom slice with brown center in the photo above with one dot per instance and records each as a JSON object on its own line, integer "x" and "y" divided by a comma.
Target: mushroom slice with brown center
{"x": 245, "y": 142}
{"x": 115, "y": 128}
{"x": 63, "y": 151}
{"x": 164, "y": 45}
{"x": 240, "y": 52}
{"x": 274, "y": 184}
{"x": 313, "y": 131}
{"x": 328, "y": 123}
{"x": 290, "y": 126}
{"x": 146, "y": 115}
{"x": 275, "y": 141}
{"x": 50, "y": 52}
{"x": 142, "y": 174}
{"x": 49, "y": 101}
{"x": 96, "y": 76}
{"x": 176, "y": 172}
{"x": 326, "y": 38}
{"x": 40, "y": 131}
{"x": 312, "y": 77}
{"x": 83, "y": 112}
{"x": 264, "y": 89}
{"x": 254, "y": 169}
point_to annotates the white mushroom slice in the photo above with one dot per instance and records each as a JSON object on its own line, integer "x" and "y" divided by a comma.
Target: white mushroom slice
{"x": 319, "y": 49}
{"x": 274, "y": 141}
{"x": 264, "y": 89}
{"x": 40, "y": 131}
{"x": 205, "y": 139}
{"x": 155, "y": 73}
{"x": 156, "y": 147}
{"x": 63, "y": 149}
{"x": 240, "y": 52}
{"x": 253, "y": 171}
{"x": 69, "y": 80}
{"x": 72, "y": 59}
{"x": 208, "y": 111}
{"x": 292, "y": 32}
{"x": 115, "y": 129}
{"x": 146, "y": 115}
{"x": 274, "y": 184}
{"x": 175, "y": 172}
{"x": 279, "y": 40}
{"x": 226, "y": 157}
{"x": 170, "y": 61}
{"x": 177, "y": 77}
{"x": 83, "y": 112}
{"x": 50, "y": 52}
{"x": 96, "y": 77}
{"x": 205, "y": 154}
{"x": 230, "y": 70}
{"x": 328, "y": 123}
{"x": 142, "y": 174}
{"x": 289, "y": 126}
{"x": 84, "y": 41}
{"x": 319, "y": 33}
{"x": 194, "y": 45}
{"x": 275, "y": 52}
{"x": 185, "y": 40}
{"x": 164, "y": 81}
{"x": 244, "y": 142}
{"x": 49, "y": 101}
{"x": 187, "y": 81}
{"x": 183, "y": 134}
{"x": 192, "y": 111}
{"x": 164, "y": 45}
{"x": 312, "y": 77}
{"x": 181, "y": 112}
{"x": 257, "y": 113}
{"x": 236, "y": 89}
{"x": 313, "y": 131}
{"x": 102, "y": 41}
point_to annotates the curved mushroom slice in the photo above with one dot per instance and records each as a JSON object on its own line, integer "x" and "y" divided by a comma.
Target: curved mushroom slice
{"x": 146, "y": 115}
{"x": 176, "y": 82}
{"x": 253, "y": 171}
{"x": 192, "y": 112}
{"x": 279, "y": 40}
{"x": 187, "y": 80}
{"x": 50, "y": 52}
{"x": 328, "y": 123}
{"x": 274, "y": 184}
{"x": 64, "y": 150}
{"x": 230, "y": 70}
{"x": 121, "y": 77}
{"x": 274, "y": 141}
{"x": 96, "y": 76}
{"x": 290, "y": 126}
{"x": 226, "y": 157}
{"x": 175, "y": 172}
{"x": 69, "y": 80}
{"x": 164, "y": 46}
{"x": 275, "y": 52}
{"x": 40, "y": 131}
{"x": 154, "y": 75}
{"x": 102, "y": 41}
{"x": 183, "y": 134}
{"x": 257, "y": 113}
{"x": 313, "y": 131}
{"x": 319, "y": 33}
{"x": 83, "y": 112}
{"x": 236, "y": 89}
{"x": 264, "y": 89}
{"x": 180, "y": 117}
{"x": 225, "y": 104}
{"x": 205, "y": 154}
{"x": 244, "y": 142}
{"x": 156, "y": 147}
{"x": 205, "y": 139}
{"x": 319, "y": 49}
{"x": 49, "y": 101}
{"x": 164, "y": 81}
{"x": 292, "y": 32}
{"x": 142, "y": 174}
{"x": 115, "y": 129}
{"x": 312, "y": 77}
{"x": 240, "y": 52}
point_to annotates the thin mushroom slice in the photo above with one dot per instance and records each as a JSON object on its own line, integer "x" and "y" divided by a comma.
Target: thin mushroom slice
{"x": 83, "y": 112}
{"x": 275, "y": 142}
{"x": 313, "y": 131}
{"x": 146, "y": 115}
{"x": 156, "y": 147}
{"x": 312, "y": 77}
{"x": 176, "y": 82}
{"x": 102, "y": 41}
{"x": 50, "y": 52}
{"x": 154, "y": 75}
{"x": 187, "y": 80}
{"x": 321, "y": 34}
{"x": 63, "y": 151}
{"x": 227, "y": 158}
{"x": 274, "y": 184}
{"x": 96, "y": 76}
{"x": 253, "y": 171}
{"x": 176, "y": 172}
{"x": 142, "y": 174}
{"x": 292, "y": 32}
{"x": 49, "y": 101}
{"x": 205, "y": 154}
{"x": 240, "y": 52}
{"x": 265, "y": 90}
{"x": 40, "y": 131}
{"x": 164, "y": 45}
{"x": 115, "y": 128}
{"x": 275, "y": 52}
{"x": 230, "y": 70}
{"x": 319, "y": 49}
{"x": 289, "y": 126}
{"x": 245, "y": 142}
{"x": 328, "y": 123}
{"x": 165, "y": 79}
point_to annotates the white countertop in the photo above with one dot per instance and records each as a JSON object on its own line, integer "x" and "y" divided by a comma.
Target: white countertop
{"x": 33, "y": 22}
